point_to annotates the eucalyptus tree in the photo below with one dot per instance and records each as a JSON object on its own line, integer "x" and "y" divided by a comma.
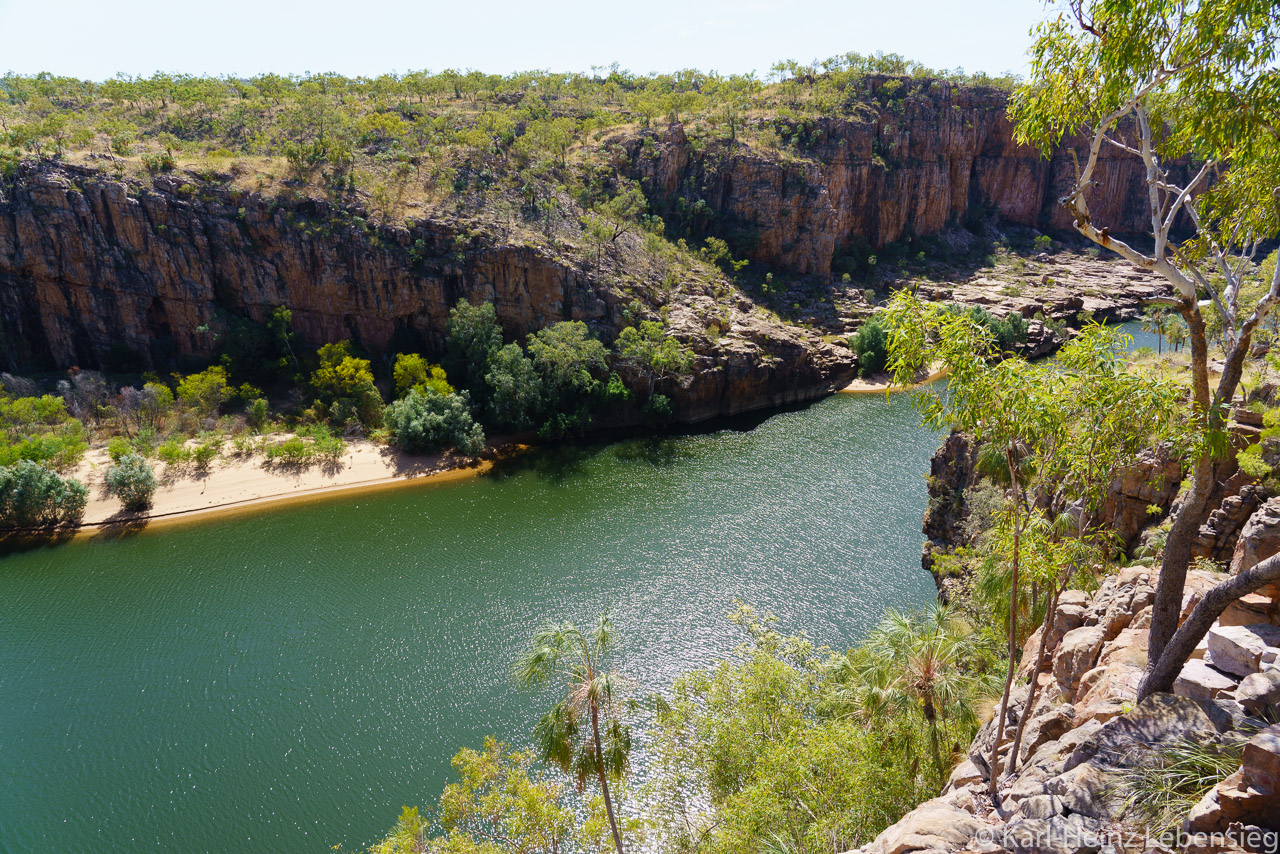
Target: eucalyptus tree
{"x": 1058, "y": 433}
{"x": 653, "y": 351}
{"x": 584, "y": 733}
{"x": 1106, "y": 414}
{"x": 997, "y": 400}
{"x": 1167, "y": 83}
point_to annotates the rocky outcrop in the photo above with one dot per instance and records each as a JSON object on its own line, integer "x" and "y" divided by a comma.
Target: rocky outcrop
{"x": 94, "y": 270}
{"x": 915, "y": 158}
{"x": 1087, "y": 735}
{"x": 1217, "y": 537}
{"x": 1141, "y": 494}
{"x": 951, "y": 472}
{"x": 1259, "y": 537}
{"x": 1151, "y": 482}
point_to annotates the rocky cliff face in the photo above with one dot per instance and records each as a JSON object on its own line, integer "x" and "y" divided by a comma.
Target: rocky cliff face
{"x": 93, "y": 269}
{"x": 904, "y": 168}
{"x": 1087, "y": 737}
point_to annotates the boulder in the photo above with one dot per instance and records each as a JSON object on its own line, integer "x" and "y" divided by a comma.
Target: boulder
{"x": 1259, "y": 692}
{"x": 1129, "y": 647}
{"x": 1199, "y": 681}
{"x": 1240, "y": 649}
{"x": 1069, "y": 834}
{"x": 1076, "y": 655}
{"x": 1198, "y": 583}
{"x": 1159, "y": 719}
{"x": 1047, "y": 726}
{"x": 1040, "y": 806}
{"x": 1250, "y": 610}
{"x": 1259, "y": 538}
{"x": 1261, "y": 764}
{"x": 1108, "y": 690}
{"x": 1082, "y": 789}
{"x": 933, "y": 825}
{"x": 964, "y": 774}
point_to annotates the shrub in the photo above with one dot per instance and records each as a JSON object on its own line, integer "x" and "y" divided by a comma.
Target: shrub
{"x": 58, "y": 451}
{"x": 311, "y": 444}
{"x": 570, "y": 362}
{"x": 516, "y": 388}
{"x": 173, "y": 452}
{"x": 206, "y": 451}
{"x": 32, "y": 496}
{"x": 161, "y": 162}
{"x": 256, "y": 413}
{"x": 1043, "y": 243}
{"x": 117, "y": 448}
{"x": 345, "y": 383}
{"x": 204, "y": 392}
{"x": 424, "y": 421}
{"x": 413, "y": 371}
{"x": 294, "y": 451}
{"x": 133, "y": 481}
{"x": 473, "y": 338}
{"x": 1252, "y": 464}
{"x": 872, "y": 346}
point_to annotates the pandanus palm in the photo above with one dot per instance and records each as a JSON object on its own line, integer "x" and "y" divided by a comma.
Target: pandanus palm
{"x": 918, "y": 660}
{"x": 583, "y": 734}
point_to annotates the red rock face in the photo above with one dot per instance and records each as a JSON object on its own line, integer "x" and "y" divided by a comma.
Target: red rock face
{"x": 93, "y": 269}
{"x": 895, "y": 173}
{"x": 88, "y": 265}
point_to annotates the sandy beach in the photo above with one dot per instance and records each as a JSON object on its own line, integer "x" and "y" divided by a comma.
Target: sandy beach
{"x": 881, "y": 383}
{"x": 230, "y": 484}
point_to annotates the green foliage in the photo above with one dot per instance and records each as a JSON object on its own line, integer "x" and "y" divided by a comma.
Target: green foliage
{"x": 32, "y": 496}
{"x": 472, "y": 339}
{"x": 716, "y": 251}
{"x": 516, "y": 393}
{"x": 132, "y": 480}
{"x": 256, "y": 413}
{"x": 585, "y": 733}
{"x": 173, "y": 452}
{"x": 206, "y": 451}
{"x": 872, "y": 346}
{"x": 931, "y": 663}
{"x": 1006, "y": 332}
{"x": 316, "y": 444}
{"x": 413, "y": 371}
{"x": 345, "y": 384}
{"x": 571, "y": 363}
{"x": 501, "y": 803}
{"x": 1158, "y": 788}
{"x": 768, "y": 742}
{"x": 425, "y": 421}
{"x": 118, "y": 447}
{"x": 653, "y": 352}
{"x": 204, "y": 392}
{"x": 1251, "y": 462}
{"x": 39, "y": 429}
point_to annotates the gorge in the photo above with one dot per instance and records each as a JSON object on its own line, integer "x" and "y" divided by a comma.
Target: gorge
{"x": 283, "y": 681}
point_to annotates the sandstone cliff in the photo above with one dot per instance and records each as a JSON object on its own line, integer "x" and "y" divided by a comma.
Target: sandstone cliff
{"x": 93, "y": 269}
{"x": 906, "y": 165}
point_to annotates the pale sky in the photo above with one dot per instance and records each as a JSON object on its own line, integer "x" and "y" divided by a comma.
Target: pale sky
{"x": 97, "y": 38}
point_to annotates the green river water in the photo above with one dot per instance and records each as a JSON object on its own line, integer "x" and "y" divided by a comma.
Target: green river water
{"x": 284, "y": 682}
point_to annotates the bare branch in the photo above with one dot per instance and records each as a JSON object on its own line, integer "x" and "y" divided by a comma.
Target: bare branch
{"x": 1184, "y": 194}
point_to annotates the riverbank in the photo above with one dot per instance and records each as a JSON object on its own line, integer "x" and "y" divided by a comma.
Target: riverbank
{"x": 233, "y": 484}
{"x": 882, "y": 383}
